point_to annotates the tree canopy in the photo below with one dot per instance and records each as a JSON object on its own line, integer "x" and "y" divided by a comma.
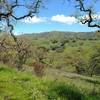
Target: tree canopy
{"x": 89, "y": 12}
{"x": 8, "y": 9}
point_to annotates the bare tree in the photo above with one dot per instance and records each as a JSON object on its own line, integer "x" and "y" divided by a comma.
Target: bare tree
{"x": 8, "y": 9}
{"x": 87, "y": 15}
{"x": 8, "y": 13}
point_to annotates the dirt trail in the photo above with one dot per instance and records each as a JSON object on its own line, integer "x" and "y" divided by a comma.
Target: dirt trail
{"x": 62, "y": 73}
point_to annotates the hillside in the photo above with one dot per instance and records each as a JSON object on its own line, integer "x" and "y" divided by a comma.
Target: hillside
{"x": 16, "y": 85}
{"x": 61, "y": 35}
{"x": 58, "y": 66}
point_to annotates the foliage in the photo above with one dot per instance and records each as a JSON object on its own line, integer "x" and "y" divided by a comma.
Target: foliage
{"x": 25, "y": 86}
{"x": 71, "y": 57}
{"x": 15, "y": 55}
{"x": 95, "y": 62}
{"x": 39, "y": 68}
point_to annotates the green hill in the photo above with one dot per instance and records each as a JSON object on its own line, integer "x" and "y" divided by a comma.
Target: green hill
{"x": 66, "y": 59}
{"x": 16, "y": 85}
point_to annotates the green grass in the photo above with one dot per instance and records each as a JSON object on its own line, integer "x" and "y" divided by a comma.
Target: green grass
{"x": 16, "y": 85}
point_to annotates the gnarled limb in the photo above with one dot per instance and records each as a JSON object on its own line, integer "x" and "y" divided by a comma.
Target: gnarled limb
{"x": 90, "y": 18}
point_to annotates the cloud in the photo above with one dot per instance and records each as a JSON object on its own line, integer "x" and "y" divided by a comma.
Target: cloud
{"x": 64, "y": 19}
{"x": 69, "y": 20}
{"x": 94, "y": 16}
{"x": 33, "y": 20}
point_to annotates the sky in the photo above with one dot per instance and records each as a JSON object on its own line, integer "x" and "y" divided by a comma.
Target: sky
{"x": 56, "y": 16}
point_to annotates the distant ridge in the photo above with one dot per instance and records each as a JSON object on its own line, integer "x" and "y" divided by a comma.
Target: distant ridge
{"x": 55, "y": 31}
{"x": 62, "y": 35}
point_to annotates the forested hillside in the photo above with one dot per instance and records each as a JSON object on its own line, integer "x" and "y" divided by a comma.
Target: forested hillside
{"x": 50, "y": 66}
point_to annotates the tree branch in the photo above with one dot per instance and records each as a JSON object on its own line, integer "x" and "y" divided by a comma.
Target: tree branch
{"x": 89, "y": 21}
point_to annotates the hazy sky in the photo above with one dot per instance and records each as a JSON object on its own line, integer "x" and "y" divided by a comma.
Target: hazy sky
{"x": 55, "y": 17}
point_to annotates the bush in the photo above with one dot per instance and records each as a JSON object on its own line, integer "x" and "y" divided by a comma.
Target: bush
{"x": 38, "y": 69}
{"x": 65, "y": 92}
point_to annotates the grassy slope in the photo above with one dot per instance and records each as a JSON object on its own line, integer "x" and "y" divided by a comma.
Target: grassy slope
{"x": 16, "y": 85}
{"x": 83, "y": 48}
{"x": 56, "y": 84}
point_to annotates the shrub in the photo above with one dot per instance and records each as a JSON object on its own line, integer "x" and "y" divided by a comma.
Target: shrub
{"x": 65, "y": 92}
{"x": 38, "y": 69}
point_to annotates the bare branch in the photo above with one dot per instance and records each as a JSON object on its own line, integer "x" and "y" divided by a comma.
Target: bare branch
{"x": 90, "y": 19}
{"x": 8, "y": 11}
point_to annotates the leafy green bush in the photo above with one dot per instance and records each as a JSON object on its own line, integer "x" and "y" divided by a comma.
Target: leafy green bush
{"x": 65, "y": 92}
